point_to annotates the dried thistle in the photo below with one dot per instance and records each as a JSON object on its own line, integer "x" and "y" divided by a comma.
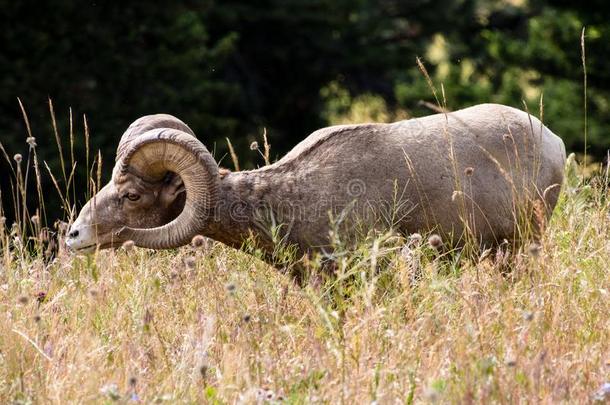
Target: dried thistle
{"x": 534, "y": 249}
{"x": 435, "y": 242}
{"x": 198, "y": 241}
{"x": 190, "y": 262}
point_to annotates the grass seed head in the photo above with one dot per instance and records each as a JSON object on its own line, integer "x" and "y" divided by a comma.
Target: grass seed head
{"x": 254, "y": 146}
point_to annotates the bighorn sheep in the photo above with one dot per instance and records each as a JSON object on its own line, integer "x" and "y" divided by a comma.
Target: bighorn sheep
{"x": 477, "y": 171}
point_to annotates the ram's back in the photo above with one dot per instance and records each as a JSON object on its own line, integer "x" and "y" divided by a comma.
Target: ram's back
{"x": 483, "y": 164}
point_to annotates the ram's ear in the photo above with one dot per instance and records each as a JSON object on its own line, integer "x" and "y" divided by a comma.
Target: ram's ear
{"x": 171, "y": 189}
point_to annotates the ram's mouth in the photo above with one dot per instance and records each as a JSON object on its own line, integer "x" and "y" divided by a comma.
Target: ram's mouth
{"x": 93, "y": 247}
{"x": 84, "y": 249}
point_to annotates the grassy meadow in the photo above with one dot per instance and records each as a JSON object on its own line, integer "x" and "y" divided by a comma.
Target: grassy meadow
{"x": 400, "y": 322}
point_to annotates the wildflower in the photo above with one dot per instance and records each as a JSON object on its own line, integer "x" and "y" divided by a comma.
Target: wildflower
{"x": 415, "y": 239}
{"x": 31, "y": 141}
{"x": 41, "y": 296}
{"x": 410, "y": 254}
{"x": 510, "y": 360}
{"x": 203, "y": 370}
{"x": 468, "y": 171}
{"x": 111, "y": 391}
{"x": 603, "y": 394}
{"x": 406, "y": 253}
{"x": 198, "y": 241}
{"x": 128, "y": 245}
{"x": 254, "y": 146}
{"x": 435, "y": 241}
{"x": 18, "y": 158}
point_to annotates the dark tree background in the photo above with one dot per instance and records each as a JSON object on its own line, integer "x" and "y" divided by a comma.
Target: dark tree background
{"x": 234, "y": 68}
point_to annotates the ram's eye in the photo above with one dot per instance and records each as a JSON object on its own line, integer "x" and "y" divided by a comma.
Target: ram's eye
{"x": 132, "y": 196}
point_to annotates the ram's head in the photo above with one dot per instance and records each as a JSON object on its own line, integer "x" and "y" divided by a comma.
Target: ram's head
{"x": 162, "y": 193}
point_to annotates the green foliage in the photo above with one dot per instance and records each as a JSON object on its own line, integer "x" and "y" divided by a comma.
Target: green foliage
{"x": 520, "y": 54}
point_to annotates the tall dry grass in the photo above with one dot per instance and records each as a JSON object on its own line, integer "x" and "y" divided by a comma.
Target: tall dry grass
{"x": 401, "y": 321}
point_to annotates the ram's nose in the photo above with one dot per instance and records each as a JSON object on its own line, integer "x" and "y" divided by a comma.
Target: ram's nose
{"x": 79, "y": 239}
{"x": 71, "y": 238}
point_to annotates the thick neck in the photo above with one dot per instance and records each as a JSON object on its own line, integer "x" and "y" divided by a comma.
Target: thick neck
{"x": 237, "y": 214}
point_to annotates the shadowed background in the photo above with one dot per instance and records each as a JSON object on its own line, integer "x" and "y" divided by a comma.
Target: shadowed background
{"x": 234, "y": 68}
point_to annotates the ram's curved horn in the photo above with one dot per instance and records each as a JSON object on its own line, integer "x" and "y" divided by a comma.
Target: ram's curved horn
{"x": 150, "y": 156}
{"x": 145, "y": 124}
